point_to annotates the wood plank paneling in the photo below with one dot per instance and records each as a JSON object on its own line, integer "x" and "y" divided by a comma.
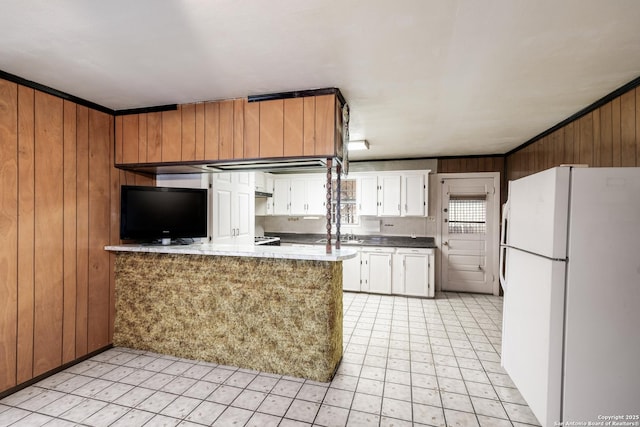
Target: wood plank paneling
{"x": 585, "y": 129}
{"x": 238, "y": 128}
{"x": 26, "y": 233}
{"x": 558, "y": 147}
{"x": 154, "y": 137}
{"x": 171, "y": 136}
{"x": 82, "y": 229}
{"x": 325, "y": 125}
{"x": 119, "y": 137}
{"x": 48, "y": 248}
{"x": 606, "y": 135}
{"x": 225, "y": 126}
{"x": 69, "y": 233}
{"x": 628, "y": 128}
{"x": 293, "y": 127}
{"x": 130, "y": 135}
{"x": 142, "y": 138}
{"x": 251, "y": 130}
{"x": 637, "y": 126}
{"x": 61, "y": 184}
{"x": 597, "y": 148}
{"x": 616, "y": 143}
{"x": 200, "y": 131}
{"x": 188, "y": 132}
{"x": 211, "y": 130}
{"x": 9, "y": 232}
{"x": 114, "y": 235}
{"x": 568, "y": 145}
{"x": 272, "y": 128}
{"x": 309, "y": 126}
{"x": 99, "y": 230}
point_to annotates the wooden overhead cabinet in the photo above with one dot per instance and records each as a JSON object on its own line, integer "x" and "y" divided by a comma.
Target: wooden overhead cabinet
{"x": 238, "y": 129}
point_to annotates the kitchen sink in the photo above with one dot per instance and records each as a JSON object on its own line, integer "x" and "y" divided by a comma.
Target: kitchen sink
{"x": 344, "y": 242}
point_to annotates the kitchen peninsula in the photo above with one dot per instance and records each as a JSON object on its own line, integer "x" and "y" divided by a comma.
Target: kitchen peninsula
{"x": 274, "y": 309}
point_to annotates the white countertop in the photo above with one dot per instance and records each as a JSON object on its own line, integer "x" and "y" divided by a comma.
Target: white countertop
{"x": 317, "y": 253}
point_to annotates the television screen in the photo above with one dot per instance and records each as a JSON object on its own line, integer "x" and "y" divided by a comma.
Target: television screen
{"x": 150, "y": 213}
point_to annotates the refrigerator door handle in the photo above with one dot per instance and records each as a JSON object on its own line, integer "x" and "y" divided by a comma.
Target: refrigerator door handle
{"x": 503, "y": 247}
{"x": 503, "y": 225}
{"x": 501, "y": 267}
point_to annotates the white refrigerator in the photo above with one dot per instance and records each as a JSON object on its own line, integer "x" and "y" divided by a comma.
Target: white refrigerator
{"x": 570, "y": 269}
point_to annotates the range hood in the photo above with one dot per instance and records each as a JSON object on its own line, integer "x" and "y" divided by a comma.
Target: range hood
{"x": 280, "y": 165}
{"x": 263, "y": 194}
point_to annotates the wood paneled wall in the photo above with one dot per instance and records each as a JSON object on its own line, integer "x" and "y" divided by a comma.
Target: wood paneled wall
{"x": 59, "y": 207}
{"x": 607, "y": 136}
{"x": 471, "y": 164}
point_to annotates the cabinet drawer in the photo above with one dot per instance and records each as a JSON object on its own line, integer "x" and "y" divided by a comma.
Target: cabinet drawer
{"x": 424, "y": 251}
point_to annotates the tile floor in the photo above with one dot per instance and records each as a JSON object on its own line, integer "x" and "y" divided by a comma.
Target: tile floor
{"x": 407, "y": 361}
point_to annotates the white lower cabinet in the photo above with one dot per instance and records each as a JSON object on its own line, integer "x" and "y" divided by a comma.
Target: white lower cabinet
{"x": 351, "y": 273}
{"x": 375, "y": 270}
{"x": 400, "y": 271}
{"x": 413, "y": 272}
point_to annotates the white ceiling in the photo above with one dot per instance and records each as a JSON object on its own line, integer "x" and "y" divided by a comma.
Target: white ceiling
{"x": 422, "y": 77}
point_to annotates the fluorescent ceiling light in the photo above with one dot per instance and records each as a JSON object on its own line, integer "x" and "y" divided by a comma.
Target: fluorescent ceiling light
{"x": 358, "y": 145}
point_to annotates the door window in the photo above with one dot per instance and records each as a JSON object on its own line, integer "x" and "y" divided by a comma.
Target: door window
{"x": 467, "y": 214}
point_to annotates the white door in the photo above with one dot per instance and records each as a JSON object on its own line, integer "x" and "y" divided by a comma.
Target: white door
{"x": 298, "y": 197}
{"x": 532, "y": 330}
{"x": 281, "y": 193}
{"x": 469, "y": 235}
{"x": 377, "y": 272}
{"x": 315, "y": 190}
{"x": 367, "y": 196}
{"x": 244, "y": 208}
{"x": 413, "y": 195}
{"x": 351, "y": 273}
{"x": 416, "y": 274}
{"x": 389, "y": 196}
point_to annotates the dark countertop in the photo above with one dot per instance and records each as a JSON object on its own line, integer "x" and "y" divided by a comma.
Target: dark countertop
{"x": 387, "y": 241}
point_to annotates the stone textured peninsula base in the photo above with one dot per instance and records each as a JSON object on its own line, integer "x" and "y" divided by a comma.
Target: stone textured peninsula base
{"x": 276, "y": 315}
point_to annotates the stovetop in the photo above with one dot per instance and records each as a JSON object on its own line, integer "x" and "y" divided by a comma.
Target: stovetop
{"x": 262, "y": 240}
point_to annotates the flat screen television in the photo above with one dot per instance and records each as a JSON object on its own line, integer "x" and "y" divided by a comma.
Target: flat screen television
{"x": 162, "y": 213}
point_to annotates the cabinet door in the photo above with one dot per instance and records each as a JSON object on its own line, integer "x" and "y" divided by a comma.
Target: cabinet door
{"x": 269, "y": 187}
{"x": 413, "y": 195}
{"x": 389, "y": 195}
{"x": 379, "y": 272}
{"x": 272, "y": 128}
{"x": 368, "y": 195}
{"x": 222, "y": 209}
{"x": 316, "y": 196}
{"x": 281, "y": 196}
{"x": 415, "y": 269}
{"x": 243, "y": 212}
{"x": 351, "y": 274}
{"x": 298, "y": 199}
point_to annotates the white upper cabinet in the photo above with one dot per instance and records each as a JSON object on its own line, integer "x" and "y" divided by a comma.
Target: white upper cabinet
{"x": 316, "y": 196}
{"x": 367, "y": 195}
{"x": 401, "y": 193}
{"x": 389, "y": 195}
{"x": 299, "y": 195}
{"x": 281, "y": 196}
{"x": 232, "y": 207}
{"x": 414, "y": 194}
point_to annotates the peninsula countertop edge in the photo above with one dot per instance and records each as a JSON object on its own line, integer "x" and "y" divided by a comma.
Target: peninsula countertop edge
{"x": 248, "y": 250}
